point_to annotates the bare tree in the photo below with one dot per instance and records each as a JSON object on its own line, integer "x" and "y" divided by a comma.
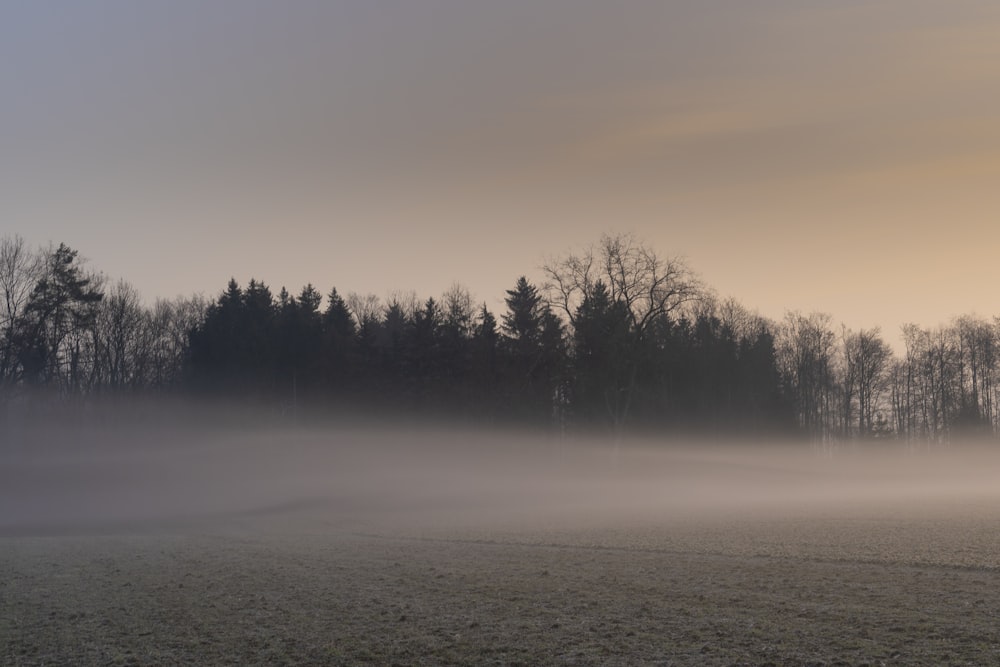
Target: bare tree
{"x": 848, "y": 377}
{"x": 20, "y": 270}
{"x": 122, "y": 338}
{"x": 459, "y": 309}
{"x": 171, "y": 324}
{"x": 805, "y": 346}
{"x": 646, "y": 286}
{"x": 936, "y": 367}
{"x": 743, "y": 322}
{"x": 868, "y": 358}
{"x": 365, "y": 308}
{"x": 900, "y": 399}
{"x": 977, "y": 349}
{"x": 918, "y": 416}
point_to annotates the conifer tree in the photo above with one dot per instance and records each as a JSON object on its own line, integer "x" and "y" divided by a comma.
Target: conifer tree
{"x": 62, "y": 303}
{"x": 340, "y": 343}
{"x": 601, "y": 347}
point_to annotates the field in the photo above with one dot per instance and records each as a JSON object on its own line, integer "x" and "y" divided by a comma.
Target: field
{"x": 222, "y": 552}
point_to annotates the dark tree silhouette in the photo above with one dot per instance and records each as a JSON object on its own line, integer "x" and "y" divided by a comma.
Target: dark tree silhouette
{"x": 62, "y": 304}
{"x": 637, "y": 342}
{"x": 533, "y": 340}
{"x": 20, "y": 269}
{"x": 339, "y": 343}
{"x": 122, "y": 340}
{"x": 602, "y": 345}
{"x": 648, "y": 287}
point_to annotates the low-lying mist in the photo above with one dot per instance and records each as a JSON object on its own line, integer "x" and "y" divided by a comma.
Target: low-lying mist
{"x": 365, "y": 476}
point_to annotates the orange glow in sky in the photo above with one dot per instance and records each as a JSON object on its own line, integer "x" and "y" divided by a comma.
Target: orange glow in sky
{"x": 840, "y": 156}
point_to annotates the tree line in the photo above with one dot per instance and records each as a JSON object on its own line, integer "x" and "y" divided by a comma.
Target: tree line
{"x": 614, "y": 337}
{"x": 69, "y": 332}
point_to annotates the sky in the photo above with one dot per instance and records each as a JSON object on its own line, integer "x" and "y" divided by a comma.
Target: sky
{"x": 840, "y": 156}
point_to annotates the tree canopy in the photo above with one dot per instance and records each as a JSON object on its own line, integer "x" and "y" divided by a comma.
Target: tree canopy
{"x": 616, "y": 337}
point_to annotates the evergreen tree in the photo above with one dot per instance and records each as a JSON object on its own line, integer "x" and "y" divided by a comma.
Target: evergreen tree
{"x": 760, "y": 385}
{"x": 337, "y": 317}
{"x": 339, "y": 342}
{"x": 485, "y": 363}
{"x": 455, "y": 350}
{"x": 299, "y": 341}
{"x": 387, "y": 381}
{"x": 214, "y": 360}
{"x": 309, "y": 300}
{"x": 63, "y": 303}
{"x": 234, "y": 349}
{"x": 601, "y": 349}
{"x": 521, "y": 322}
{"x": 553, "y": 367}
{"x": 257, "y": 337}
{"x": 532, "y": 334}
{"x": 423, "y": 359}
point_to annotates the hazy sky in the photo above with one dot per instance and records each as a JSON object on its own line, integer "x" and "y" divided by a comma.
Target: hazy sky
{"x": 839, "y": 156}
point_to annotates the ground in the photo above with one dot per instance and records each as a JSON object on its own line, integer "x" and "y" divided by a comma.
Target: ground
{"x": 910, "y": 580}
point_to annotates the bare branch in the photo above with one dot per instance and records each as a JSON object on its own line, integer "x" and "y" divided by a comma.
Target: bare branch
{"x": 634, "y": 274}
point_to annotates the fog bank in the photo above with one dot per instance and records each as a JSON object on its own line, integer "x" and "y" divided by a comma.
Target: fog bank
{"x": 83, "y": 480}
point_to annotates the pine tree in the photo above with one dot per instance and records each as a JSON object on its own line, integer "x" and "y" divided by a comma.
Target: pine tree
{"x": 601, "y": 347}
{"x": 309, "y": 299}
{"x": 522, "y": 321}
{"x": 423, "y": 363}
{"x": 532, "y": 341}
{"x": 339, "y": 342}
{"x": 62, "y": 303}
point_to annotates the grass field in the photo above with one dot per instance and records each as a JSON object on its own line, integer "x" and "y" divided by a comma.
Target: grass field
{"x": 683, "y": 558}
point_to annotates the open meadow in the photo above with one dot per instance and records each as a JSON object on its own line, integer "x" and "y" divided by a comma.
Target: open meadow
{"x": 400, "y": 549}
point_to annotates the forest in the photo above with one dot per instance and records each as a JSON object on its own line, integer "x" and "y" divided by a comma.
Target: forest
{"x": 614, "y": 338}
